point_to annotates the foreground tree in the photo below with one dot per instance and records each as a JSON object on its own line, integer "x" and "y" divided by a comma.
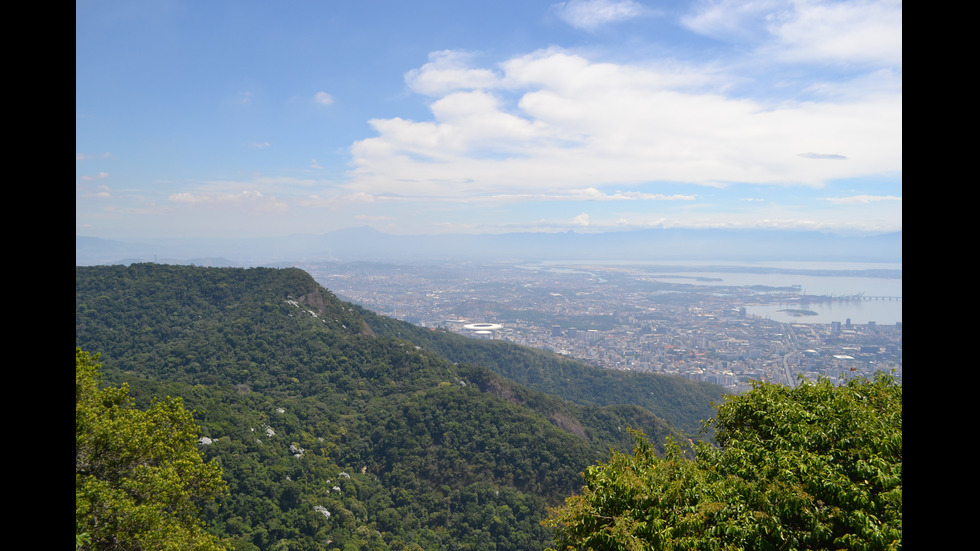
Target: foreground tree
{"x": 813, "y": 467}
{"x": 139, "y": 478}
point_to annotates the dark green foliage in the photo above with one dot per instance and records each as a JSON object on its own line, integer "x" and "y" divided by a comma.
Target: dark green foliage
{"x": 815, "y": 467}
{"x": 681, "y": 402}
{"x": 311, "y": 409}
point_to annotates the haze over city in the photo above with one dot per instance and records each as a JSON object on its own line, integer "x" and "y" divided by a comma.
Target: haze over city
{"x": 248, "y": 119}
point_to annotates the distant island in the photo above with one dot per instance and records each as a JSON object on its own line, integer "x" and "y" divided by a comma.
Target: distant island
{"x": 795, "y": 312}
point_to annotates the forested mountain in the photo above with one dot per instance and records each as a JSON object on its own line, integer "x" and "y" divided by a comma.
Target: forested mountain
{"x": 681, "y": 402}
{"x": 338, "y": 428}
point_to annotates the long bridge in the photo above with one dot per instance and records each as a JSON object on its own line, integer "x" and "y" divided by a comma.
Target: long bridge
{"x": 845, "y": 298}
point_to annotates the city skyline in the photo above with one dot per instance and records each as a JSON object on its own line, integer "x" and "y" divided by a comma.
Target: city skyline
{"x": 254, "y": 120}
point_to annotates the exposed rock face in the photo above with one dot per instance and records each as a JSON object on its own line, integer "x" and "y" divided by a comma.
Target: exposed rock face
{"x": 314, "y": 300}
{"x": 569, "y": 425}
{"x": 502, "y": 391}
{"x": 318, "y": 304}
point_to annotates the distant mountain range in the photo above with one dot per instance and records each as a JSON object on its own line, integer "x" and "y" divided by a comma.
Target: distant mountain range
{"x": 365, "y": 243}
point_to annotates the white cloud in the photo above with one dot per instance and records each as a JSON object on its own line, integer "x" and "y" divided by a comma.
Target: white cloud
{"x": 86, "y": 191}
{"x": 553, "y": 121}
{"x": 588, "y": 194}
{"x": 862, "y": 199}
{"x": 448, "y": 71}
{"x": 845, "y": 32}
{"x": 825, "y": 156}
{"x": 99, "y": 176}
{"x": 85, "y": 156}
{"x": 733, "y": 19}
{"x": 250, "y": 198}
{"x": 592, "y": 14}
{"x": 856, "y": 31}
{"x": 593, "y": 194}
{"x": 322, "y": 98}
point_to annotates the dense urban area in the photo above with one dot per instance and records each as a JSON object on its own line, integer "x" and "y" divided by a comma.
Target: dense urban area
{"x": 628, "y": 318}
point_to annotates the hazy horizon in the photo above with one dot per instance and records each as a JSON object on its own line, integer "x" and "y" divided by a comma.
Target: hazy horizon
{"x": 366, "y": 244}
{"x": 252, "y": 120}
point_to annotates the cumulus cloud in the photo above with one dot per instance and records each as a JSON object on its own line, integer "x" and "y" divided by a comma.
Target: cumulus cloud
{"x": 322, "y": 98}
{"x": 592, "y": 14}
{"x": 449, "y": 71}
{"x": 557, "y": 125}
{"x": 99, "y": 176}
{"x": 555, "y": 120}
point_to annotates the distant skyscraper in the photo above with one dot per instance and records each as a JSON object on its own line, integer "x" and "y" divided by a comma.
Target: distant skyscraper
{"x": 555, "y": 330}
{"x": 835, "y": 327}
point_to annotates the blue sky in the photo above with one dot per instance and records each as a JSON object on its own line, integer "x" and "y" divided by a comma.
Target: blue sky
{"x": 246, "y": 118}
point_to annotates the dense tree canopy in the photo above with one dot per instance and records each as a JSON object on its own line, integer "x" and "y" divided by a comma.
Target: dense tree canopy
{"x": 339, "y": 429}
{"x": 680, "y": 401}
{"x": 139, "y": 478}
{"x": 818, "y": 466}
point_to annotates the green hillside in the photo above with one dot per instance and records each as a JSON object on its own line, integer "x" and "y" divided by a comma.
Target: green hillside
{"x": 337, "y": 428}
{"x": 681, "y": 402}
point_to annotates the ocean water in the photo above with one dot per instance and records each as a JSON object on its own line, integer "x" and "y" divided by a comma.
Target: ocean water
{"x": 886, "y": 310}
{"x": 812, "y": 278}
